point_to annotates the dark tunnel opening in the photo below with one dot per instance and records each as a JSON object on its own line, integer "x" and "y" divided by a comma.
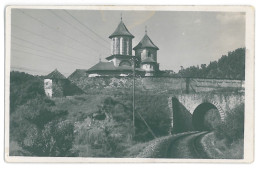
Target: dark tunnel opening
{"x": 206, "y": 117}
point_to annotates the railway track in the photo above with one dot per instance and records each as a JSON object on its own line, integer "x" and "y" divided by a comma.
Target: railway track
{"x": 187, "y": 146}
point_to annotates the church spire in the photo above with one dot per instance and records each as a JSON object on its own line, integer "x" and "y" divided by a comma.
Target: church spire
{"x": 121, "y": 16}
{"x": 145, "y": 29}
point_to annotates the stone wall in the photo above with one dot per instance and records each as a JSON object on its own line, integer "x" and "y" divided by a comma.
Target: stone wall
{"x": 167, "y": 85}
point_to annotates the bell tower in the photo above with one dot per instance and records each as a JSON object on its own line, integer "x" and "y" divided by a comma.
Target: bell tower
{"x": 147, "y": 51}
{"x": 121, "y": 45}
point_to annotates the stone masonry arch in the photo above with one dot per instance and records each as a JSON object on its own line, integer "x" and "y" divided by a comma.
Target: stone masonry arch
{"x": 205, "y": 116}
{"x": 182, "y": 107}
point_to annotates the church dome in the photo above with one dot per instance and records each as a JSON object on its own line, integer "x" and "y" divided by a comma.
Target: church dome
{"x": 121, "y": 30}
{"x": 146, "y": 42}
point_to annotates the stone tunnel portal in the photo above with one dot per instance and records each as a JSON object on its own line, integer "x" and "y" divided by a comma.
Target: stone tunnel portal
{"x": 206, "y": 117}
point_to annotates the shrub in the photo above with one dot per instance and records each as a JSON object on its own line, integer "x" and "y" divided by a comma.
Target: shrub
{"x": 232, "y": 129}
{"x": 41, "y": 129}
{"x": 154, "y": 110}
{"x": 24, "y": 87}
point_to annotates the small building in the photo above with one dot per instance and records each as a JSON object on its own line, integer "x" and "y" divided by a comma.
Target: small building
{"x": 57, "y": 85}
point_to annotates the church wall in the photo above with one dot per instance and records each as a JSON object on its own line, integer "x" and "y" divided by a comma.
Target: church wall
{"x": 121, "y": 46}
{"x": 116, "y": 61}
{"x": 148, "y": 67}
{"x": 127, "y": 43}
{"x": 130, "y": 46}
{"x": 117, "y": 46}
{"x": 144, "y": 53}
{"x": 112, "y": 47}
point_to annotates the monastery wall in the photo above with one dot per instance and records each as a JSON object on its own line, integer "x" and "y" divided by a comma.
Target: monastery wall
{"x": 157, "y": 85}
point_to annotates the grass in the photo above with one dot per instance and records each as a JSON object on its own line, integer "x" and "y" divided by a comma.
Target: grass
{"x": 86, "y": 104}
{"x": 217, "y": 149}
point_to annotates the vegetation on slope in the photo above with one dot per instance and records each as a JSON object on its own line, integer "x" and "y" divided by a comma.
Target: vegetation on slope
{"x": 231, "y": 66}
{"x": 37, "y": 127}
{"x": 41, "y": 130}
{"x": 24, "y": 87}
{"x": 227, "y": 141}
{"x": 232, "y": 129}
{"x": 83, "y": 125}
{"x": 103, "y": 124}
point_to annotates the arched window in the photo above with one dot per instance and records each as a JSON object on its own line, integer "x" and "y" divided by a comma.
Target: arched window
{"x": 125, "y": 63}
{"x": 149, "y": 54}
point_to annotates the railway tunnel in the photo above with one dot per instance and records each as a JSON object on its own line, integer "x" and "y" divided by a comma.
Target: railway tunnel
{"x": 206, "y": 117}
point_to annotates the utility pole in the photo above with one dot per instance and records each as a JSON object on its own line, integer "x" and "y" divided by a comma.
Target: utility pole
{"x": 134, "y": 96}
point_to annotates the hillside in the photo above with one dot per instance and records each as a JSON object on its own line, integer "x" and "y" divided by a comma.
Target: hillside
{"x": 88, "y": 125}
{"x": 231, "y": 66}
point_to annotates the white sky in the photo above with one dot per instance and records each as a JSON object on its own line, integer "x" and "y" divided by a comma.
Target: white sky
{"x": 43, "y": 40}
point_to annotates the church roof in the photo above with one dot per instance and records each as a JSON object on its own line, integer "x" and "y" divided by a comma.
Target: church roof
{"x": 55, "y": 75}
{"x": 121, "y": 30}
{"x": 148, "y": 60}
{"x": 109, "y": 66}
{"x": 102, "y": 66}
{"x": 146, "y": 42}
{"x": 77, "y": 74}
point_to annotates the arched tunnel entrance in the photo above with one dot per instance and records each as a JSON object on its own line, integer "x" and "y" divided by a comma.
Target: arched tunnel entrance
{"x": 206, "y": 117}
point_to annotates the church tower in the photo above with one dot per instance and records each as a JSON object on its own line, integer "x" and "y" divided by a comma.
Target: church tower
{"x": 121, "y": 46}
{"x": 146, "y": 50}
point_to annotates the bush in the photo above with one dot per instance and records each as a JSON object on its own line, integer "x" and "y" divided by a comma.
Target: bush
{"x": 154, "y": 110}
{"x": 232, "y": 129}
{"x": 108, "y": 136}
{"x": 42, "y": 130}
{"x": 24, "y": 87}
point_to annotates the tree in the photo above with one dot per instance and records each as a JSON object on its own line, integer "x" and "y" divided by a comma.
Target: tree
{"x": 231, "y": 66}
{"x": 24, "y": 87}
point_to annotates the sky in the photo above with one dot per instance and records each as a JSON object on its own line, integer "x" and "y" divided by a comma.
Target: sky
{"x": 45, "y": 39}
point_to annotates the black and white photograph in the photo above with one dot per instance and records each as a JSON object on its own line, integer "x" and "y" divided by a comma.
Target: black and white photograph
{"x": 129, "y": 83}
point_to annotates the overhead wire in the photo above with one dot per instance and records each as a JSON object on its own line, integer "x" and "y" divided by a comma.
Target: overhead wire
{"x": 78, "y": 29}
{"x": 54, "y": 41}
{"x": 45, "y": 51}
{"x": 18, "y": 50}
{"x": 65, "y": 35}
{"x": 88, "y": 28}
{"x": 44, "y": 47}
{"x": 57, "y": 42}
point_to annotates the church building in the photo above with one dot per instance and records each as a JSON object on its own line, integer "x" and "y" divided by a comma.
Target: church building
{"x": 121, "y": 61}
